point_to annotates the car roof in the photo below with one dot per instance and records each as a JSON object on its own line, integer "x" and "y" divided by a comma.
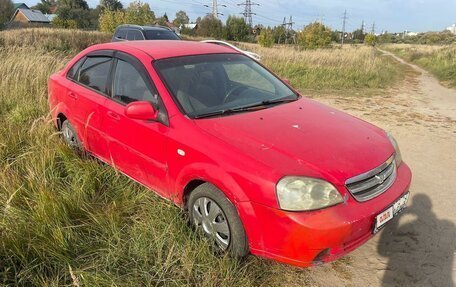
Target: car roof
{"x": 160, "y": 49}
{"x": 157, "y": 27}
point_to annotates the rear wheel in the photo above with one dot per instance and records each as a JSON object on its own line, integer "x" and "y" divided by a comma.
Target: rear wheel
{"x": 71, "y": 137}
{"x": 211, "y": 213}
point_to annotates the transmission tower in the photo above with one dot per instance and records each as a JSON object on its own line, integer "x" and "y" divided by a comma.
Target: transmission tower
{"x": 248, "y": 11}
{"x": 215, "y": 13}
{"x": 373, "y": 29}
{"x": 345, "y": 18}
{"x": 288, "y": 28}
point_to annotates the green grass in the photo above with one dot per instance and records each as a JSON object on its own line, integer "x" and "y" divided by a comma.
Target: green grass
{"x": 67, "y": 221}
{"x": 439, "y": 60}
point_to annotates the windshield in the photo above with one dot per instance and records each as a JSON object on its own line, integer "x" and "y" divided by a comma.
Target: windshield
{"x": 160, "y": 34}
{"x": 209, "y": 85}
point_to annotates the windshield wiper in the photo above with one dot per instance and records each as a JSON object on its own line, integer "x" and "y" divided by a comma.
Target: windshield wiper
{"x": 264, "y": 104}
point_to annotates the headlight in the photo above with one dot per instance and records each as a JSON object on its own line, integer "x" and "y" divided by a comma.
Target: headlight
{"x": 396, "y": 147}
{"x": 302, "y": 194}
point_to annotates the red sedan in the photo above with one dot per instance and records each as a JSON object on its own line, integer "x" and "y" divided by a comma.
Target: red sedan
{"x": 259, "y": 168}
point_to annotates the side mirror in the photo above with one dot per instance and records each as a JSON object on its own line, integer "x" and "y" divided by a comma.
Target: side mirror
{"x": 141, "y": 110}
{"x": 287, "y": 81}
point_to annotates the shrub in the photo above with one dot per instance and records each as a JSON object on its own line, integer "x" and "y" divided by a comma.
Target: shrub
{"x": 237, "y": 29}
{"x": 315, "y": 35}
{"x": 210, "y": 26}
{"x": 266, "y": 38}
{"x": 370, "y": 40}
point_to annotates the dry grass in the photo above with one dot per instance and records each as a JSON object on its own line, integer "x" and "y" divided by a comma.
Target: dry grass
{"x": 340, "y": 69}
{"x": 439, "y": 60}
{"x": 71, "y": 221}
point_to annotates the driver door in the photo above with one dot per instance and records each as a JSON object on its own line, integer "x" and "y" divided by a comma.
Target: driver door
{"x": 136, "y": 147}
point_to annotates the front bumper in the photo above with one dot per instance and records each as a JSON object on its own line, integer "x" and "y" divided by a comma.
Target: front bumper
{"x": 310, "y": 238}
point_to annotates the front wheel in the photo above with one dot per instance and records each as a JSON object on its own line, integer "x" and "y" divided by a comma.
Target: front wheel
{"x": 214, "y": 215}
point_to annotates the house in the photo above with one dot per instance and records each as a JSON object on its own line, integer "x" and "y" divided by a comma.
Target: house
{"x": 28, "y": 17}
{"x": 452, "y": 29}
{"x": 192, "y": 26}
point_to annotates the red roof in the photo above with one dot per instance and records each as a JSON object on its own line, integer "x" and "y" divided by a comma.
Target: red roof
{"x": 160, "y": 49}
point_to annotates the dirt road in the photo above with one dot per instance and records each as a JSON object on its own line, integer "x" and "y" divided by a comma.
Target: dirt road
{"x": 419, "y": 248}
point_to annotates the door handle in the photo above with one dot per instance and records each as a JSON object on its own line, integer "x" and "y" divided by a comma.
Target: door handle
{"x": 72, "y": 95}
{"x": 113, "y": 116}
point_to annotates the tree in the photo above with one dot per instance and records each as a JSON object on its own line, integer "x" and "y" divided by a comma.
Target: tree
{"x": 66, "y": 15}
{"x": 181, "y": 19}
{"x": 45, "y": 6}
{"x": 73, "y": 4}
{"x": 111, "y": 5}
{"x": 210, "y": 26}
{"x": 237, "y": 29}
{"x": 139, "y": 13}
{"x": 266, "y": 38}
{"x": 370, "y": 40}
{"x": 6, "y": 12}
{"x": 279, "y": 34}
{"x": 359, "y": 35}
{"x": 315, "y": 35}
{"x": 109, "y": 20}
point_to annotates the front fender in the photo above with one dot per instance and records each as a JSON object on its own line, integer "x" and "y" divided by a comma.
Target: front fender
{"x": 212, "y": 174}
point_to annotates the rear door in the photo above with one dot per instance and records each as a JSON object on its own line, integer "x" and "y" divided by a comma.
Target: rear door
{"x": 89, "y": 92}
{"x": 137, "y": 147}
{"x": 134, "y": 35}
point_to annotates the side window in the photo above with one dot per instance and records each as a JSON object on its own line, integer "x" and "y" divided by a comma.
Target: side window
{"x": 134, "y": 35}
{"x": 73, "y": 73}
{"x": 130, "y": 86}
{"x": 243, "y": 74}
{"x": 94, "y": 73}
{"x": 121, "y": 34}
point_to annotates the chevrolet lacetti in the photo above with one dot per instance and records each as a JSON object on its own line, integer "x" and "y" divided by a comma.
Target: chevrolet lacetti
{"x": 259, "y": 168}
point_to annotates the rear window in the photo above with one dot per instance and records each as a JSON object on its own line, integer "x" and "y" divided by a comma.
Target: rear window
{"x": 94, "y": 73}
{"x": 160, "y": 35}
{"x": 73, "y": 72}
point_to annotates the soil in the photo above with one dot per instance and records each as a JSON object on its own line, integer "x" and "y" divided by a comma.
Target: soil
{"x": 418, "y": 248}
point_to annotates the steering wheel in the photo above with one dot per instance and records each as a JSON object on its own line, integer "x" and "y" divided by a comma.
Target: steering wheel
{"x": 235, "y": 89}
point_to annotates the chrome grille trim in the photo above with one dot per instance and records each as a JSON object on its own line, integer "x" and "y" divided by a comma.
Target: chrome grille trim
{"x": 374, "y": 182}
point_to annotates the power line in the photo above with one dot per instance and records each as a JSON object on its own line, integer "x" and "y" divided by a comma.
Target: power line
{"x": 248, "y": 11}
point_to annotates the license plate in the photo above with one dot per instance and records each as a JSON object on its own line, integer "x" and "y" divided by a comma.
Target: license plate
{"x": 385, "y": 216}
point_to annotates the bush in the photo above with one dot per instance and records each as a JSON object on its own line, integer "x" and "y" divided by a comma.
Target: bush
{"x": 137, "y": 13}
{"x": 266, "y": 38}
{"x": 314, "y": 36}
{"x": 370, "y": 40}
{"x": 237, "y": 29}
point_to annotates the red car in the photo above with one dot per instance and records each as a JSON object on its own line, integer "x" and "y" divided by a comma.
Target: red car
{"x": 259, "y": 168}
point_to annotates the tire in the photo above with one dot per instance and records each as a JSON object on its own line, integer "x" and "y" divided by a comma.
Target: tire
{"x": 70, "y": 137}
{"x": 211, "y": 213}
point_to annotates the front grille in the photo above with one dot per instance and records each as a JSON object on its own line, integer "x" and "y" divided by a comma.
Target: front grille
{"x": 373, "y": 183}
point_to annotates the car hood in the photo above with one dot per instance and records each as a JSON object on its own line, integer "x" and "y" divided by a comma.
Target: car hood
{"x": 304, "y": 138}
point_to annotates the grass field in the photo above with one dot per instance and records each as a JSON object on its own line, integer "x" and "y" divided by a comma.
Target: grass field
{"x": 71, "y": 221}
{"x": 439, "y": 60}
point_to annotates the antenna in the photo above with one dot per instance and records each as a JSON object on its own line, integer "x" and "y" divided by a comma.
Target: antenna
{"x": 248, "y": 11}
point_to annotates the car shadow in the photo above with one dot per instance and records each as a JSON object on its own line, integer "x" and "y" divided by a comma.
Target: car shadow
{"x": 420, "y": 252}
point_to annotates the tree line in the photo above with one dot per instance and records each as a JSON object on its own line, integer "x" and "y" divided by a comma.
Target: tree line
{"x": 109, "y": 14}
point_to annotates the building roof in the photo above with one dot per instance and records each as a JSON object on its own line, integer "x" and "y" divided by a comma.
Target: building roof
{"x": 33, "y": 15}
{"x": 20, "y": 5}
{"x": 161, "y": 49}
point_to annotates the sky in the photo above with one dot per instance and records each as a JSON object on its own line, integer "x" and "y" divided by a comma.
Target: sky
{"x": 388, "y": 15}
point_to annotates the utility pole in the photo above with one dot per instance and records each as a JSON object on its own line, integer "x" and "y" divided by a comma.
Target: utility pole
{"x": 248, "y": 11}
{"x": 215, "y": 13}
{"x": 344, "y": 25}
